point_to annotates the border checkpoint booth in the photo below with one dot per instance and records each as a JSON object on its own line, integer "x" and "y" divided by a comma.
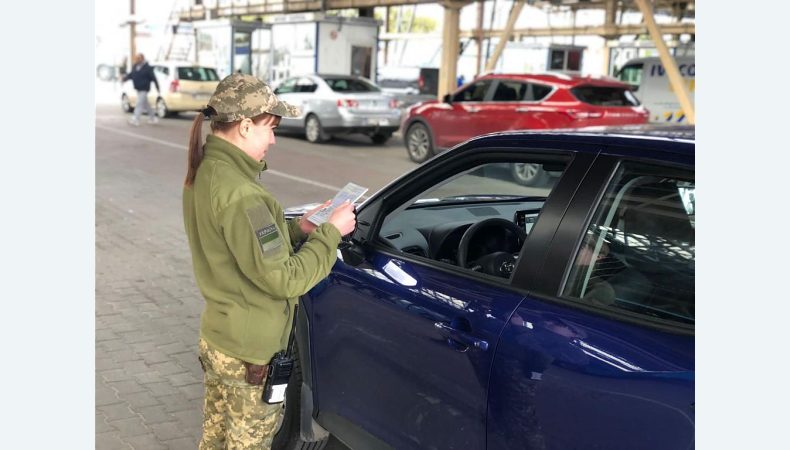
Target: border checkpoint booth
{"x": 234, "y": 46}
{"x": 316, "y": 43}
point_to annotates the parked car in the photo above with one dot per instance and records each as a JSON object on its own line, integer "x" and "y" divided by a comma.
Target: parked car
{"x": 502, "y": 102}
{"x": 339, "y": 104}
{"x": 468, "y": 311}
{"x": 183, "y": 87}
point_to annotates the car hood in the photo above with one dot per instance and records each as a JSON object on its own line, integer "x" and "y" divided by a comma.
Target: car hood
{"x": 299, "y": 210}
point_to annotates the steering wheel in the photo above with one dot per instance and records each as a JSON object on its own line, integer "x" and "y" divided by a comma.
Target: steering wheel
{"x": 498, "y": 263}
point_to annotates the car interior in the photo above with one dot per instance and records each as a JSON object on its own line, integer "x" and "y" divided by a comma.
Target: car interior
{"x": 646, "y": 252}
{"x": 480, "y": 232}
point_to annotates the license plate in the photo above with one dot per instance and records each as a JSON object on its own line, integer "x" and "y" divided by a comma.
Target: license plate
{"x": 379, "y": 122}
{"x": 201, "y": 96}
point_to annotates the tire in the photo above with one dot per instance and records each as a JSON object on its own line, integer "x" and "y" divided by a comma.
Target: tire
{"x": 288, "y": 436}
{"x": 313, "y": 131}
{"x": 418, "y": 142}
{"x": 528, "y": 174}
{"x": 125, "y": 105}
{"x": 380, "y": 138}
{"x": 161, "y": 108}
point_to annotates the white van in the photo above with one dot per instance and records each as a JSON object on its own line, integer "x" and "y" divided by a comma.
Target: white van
{"x": 650, "y": 84}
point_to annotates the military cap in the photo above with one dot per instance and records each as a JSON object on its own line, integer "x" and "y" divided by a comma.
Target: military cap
{"x": 239, "y": 96}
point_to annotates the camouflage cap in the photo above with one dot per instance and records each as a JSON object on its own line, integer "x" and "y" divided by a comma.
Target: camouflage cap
{"x": 240, "y": 96}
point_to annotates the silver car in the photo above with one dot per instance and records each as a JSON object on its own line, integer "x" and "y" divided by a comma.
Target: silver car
{"x": 339, "y": 104}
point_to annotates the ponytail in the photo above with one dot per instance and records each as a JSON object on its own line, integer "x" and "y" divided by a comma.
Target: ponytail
{"x": 195, "y": 155}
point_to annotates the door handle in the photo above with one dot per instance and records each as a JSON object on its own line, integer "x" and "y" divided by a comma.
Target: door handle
{"x": 473, "y": 110}
{"x": 462, "y": 337}
{"x": 522, "y": 109}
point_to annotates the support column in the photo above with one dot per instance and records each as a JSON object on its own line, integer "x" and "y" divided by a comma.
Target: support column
{"x": 480, "y": 12}
{"x": 508, "y": 31}
{"x": 450, "y": 36}
{"x": 386, "y": 30}
{"x": 675, "y": 80}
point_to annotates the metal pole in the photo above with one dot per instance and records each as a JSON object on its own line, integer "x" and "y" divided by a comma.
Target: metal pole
{"x": 480, "y": 11}
{"x": 675, "y": 80}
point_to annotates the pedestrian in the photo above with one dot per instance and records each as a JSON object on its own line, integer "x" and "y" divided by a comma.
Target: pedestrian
{"x": 244, "y": 260}
{"x": 142, "y": 75}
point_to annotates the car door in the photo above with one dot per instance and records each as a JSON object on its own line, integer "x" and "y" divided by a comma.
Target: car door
{"x": 402, "y": 341}
{"x": 457, "y": 121}
{"x": 503, "y": 111}
{"x": 600, "y": 354}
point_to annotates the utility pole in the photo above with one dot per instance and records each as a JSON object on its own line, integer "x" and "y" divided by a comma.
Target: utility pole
{"x": 132, "y": 32}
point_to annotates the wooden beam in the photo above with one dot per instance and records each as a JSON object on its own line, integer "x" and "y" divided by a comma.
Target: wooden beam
{"x": 671, "y": 67}
{"x": 500, "y": 46}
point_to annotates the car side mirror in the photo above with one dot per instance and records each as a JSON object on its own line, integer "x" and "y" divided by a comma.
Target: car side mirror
{"x": 352, "y": 252}
{"x": 447, "y": 98}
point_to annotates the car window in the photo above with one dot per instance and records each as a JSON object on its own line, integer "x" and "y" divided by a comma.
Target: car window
{"x": 305, "y": 85}
{"x": 605, "y": 96}
{"x": 162, "y": 70}
{"x": 510, "y": 91}
{"x": 286, "y": 87}
{"x": 637, "y": 254}
{"x": 632, "y": 75}
{"x": 476, "y": 219}
{"x": 350, "y": 85}
{"x": 538, "y": 92}
{"x": 197, "y": 74}
{"x": 475, "y": 92}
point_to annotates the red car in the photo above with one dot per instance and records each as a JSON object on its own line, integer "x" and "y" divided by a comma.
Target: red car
{"x": 502, "y": 102}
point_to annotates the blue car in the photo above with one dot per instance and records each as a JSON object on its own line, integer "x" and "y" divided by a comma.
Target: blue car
{"x": 471, "y": 311}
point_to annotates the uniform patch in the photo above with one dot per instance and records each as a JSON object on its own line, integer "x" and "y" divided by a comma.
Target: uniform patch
{"x": 268, "y": 237}
{"x": 266, "y": 232}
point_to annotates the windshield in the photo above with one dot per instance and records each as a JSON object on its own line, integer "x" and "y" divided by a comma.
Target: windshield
{"x": 350, "y": 85}
{"x": 632, "y": 75}
{"x": 494, "y": 181}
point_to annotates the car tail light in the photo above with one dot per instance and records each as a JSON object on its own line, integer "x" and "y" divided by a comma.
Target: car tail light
{"x": 174, "y": 86}
{"x": 581, "y": 115}
{"x": 347, "y": 103}
{"x": 393, "y": 103}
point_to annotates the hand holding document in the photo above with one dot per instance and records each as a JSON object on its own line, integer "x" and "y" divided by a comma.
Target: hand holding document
{"x": 350, "y": 193}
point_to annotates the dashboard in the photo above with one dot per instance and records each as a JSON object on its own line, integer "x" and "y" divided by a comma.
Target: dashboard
{"x": 435, "y": 231}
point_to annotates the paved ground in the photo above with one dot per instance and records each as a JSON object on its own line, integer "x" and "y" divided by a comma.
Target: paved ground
{"x": 148, "y": 380}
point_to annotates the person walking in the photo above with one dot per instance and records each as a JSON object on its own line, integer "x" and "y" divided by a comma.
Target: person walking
{"x": 244, "y": 260}
{"x": 142, "y": 75}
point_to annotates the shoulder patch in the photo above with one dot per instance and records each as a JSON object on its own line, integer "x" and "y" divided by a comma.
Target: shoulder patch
{"x": 264, "y": 228}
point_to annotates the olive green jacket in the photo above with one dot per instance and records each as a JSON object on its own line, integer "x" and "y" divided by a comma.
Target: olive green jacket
{"x": 243, "y": 257}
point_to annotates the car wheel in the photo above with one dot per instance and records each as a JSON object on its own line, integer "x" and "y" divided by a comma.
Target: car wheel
{"x": 288, "y": 436}
{"x": 418, "y": 143}
{"x": 528, "y": 174}
{"x": 313, "y": 131}
{"x": 380, "y": 138}
{"x": 161, "y": 108}
{"x": 125, "y": 105}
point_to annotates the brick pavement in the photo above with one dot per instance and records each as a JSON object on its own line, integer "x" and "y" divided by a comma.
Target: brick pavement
{"x": 148, "y": 379}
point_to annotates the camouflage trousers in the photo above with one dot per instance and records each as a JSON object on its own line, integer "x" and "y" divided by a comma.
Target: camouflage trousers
{"x": 234, "y": 416}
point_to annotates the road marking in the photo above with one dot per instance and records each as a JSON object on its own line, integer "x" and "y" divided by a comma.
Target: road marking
{"x": 184, "y": 147}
